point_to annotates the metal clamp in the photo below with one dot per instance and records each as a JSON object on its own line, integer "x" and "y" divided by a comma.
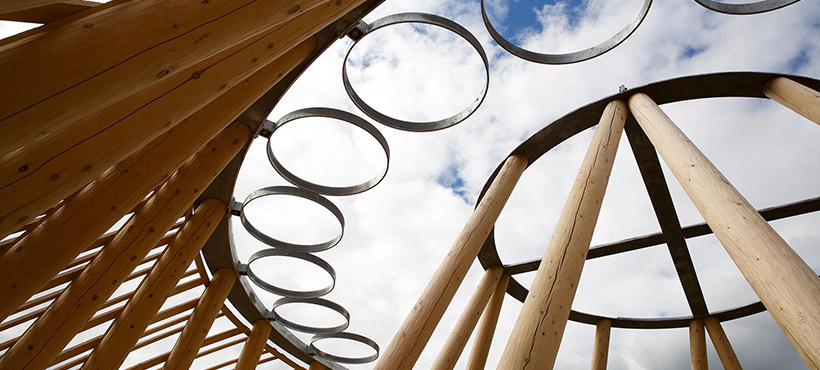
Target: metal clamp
{"x": 311, "y": 329}
{"x": 288, "y": 292}
{"x": 568, "y": 58}
{"x": 297, "y": 192}
{"x": 745, "y": 9}
{"x": 349, "y": 336}
{"x": 433, "y": 20}
{"x": 342, "y": 116}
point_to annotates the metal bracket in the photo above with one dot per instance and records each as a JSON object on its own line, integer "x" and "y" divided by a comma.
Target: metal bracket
{"x": 236, "y": 207}
{"x": 358, "y": 31}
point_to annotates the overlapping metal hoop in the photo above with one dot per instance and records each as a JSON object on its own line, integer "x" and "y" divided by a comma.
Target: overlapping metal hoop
{"x": 339, "y": 115}
{"x": 307, "y": 328}
{"x": 349, "y": 336}
{"x": 567, "y": 58}
{"x": 756, "y": 7}
{"x": 289, "y": 292}
{"x": 732, "y": 84}
{"x": 422, "y": 18}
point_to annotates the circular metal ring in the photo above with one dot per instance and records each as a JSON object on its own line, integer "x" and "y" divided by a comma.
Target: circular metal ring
{"x": 311, "y": 329}
{"x": 346, "y": 360}
{"x": 297, "y": 192}
{"x": 568, "y": 58}
{"x": 717, "y": 85}
{"x": 433, "y": 20}
{"x": 342, "y": 116}
{"x": 745, "y": 9}
{"x": 287, "y": 292}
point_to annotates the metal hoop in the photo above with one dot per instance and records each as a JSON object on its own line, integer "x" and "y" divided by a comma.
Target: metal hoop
{"x": 339, "y": 115}
{"x": 433, "y": 20}
{"x": 311, "y": 329}
{"x": 297, "y": 192}
{"x": 745, "y": 9}
{"x": 287, "y": 292}
{"x": 346, "y": 360}
{"x": 568, "y": 58}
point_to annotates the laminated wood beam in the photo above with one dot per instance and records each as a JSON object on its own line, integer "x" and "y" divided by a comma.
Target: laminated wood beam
{"x": 41, "y": 11}
{"x": 48, "y": 336}
{"x": 540, "y": 326}
{"x": 163, "y": 357}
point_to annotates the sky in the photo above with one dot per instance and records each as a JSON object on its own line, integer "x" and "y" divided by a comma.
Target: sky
{"x": 397, "y": 233}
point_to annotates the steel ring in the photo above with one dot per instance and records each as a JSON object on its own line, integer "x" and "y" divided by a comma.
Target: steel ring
{"x": 433, "y": 20}
{"x": 745, "y": 9}
{"x": 346, "y": 360}
{"x": 287, "y": 292}
{"x": 568, "y": 58}
{"x": 297, "y": 192}
{"x": 311, "y": 329}
{"x": 342, "y": 116}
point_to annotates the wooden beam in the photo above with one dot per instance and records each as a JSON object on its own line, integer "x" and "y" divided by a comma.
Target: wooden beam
{"x": 254, "y": 346}
{"x": 786, "y": 285}
{"x": 797, "y": 97}
{"x": 38, "y": 347}
{"x": 451, "y": 351}
{"x": 191, "y": 340}
{"x": 407, "y": 344}
{"x": 154, "y": 361}
{"x": 540, "y": 326}
{"x": 316, "y": 366}
{"x": 41, "y": 11}
{"x": 697, "y": 345}
{"x": 722, "y": 346}
{"x": 600, "y": 351}
{"x": 126, "y": 330}
{"x": 486, "y": 327}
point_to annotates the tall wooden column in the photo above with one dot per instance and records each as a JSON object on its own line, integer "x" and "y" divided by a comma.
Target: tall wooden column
{"x": 724, "y": 349}
{"x": 797, "y": 97}
{"x": 152, "y": 293}
{"x": 486, "y": 327}
{"x": 83, "y": 218}
{"x": 600, "y": 351}
{"x": 407, "y": 344}
{"x": 201, "y": 320}
{"x": 254, "y": 346}
{"x": 66, "y": 316}
{"x": 786, "y": 285}
{"x": 457, "y": 340}
{"x": 537, "y": 333}
{"x": 697, "y": 345}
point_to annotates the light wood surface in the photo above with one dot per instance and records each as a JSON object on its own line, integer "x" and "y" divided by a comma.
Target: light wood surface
{"x": 722, "y": 346}
{"x": 451, "y": 351}
{"x": 786, "y": 285}
{"x": 600, "y": 350}
{"x": 254, "y": 346}
{"x": 697, "y": 345}
{"x": 140, "y": 310}
{"x": 797, "y": 97}
{"x": 539, "y": 328}
{"x": 50, "y": 334}
{"x": 190, "y": 341}
{"x": 412, "y": 337}
{"x": 486, "y": 327}
{"x": 41, "y": 11}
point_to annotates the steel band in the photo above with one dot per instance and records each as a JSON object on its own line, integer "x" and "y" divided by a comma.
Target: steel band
{"x": 574, "y": 57}
{"x": 349, "y": 336}
{"x": 288, "y": 292}
{"x": 306, "y": 328}
{"x": 745, "y": 9}
{"x": 342, "y": 116}
{"x": 433, "y": 20}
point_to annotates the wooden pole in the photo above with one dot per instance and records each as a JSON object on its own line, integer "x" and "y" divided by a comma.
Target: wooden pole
{"x": 486, "y": 327}
{"x": 797, "y": 97}
{"x": 65, "y": 317}
{"x": 94, "y": 209}
{"x": 786, "y": 285}
{"x": 39, "y": 170}
{"x": 41, "y": 11}
{"x": 316, "y": 366}
{"x": 537, "y": 333}
{"x": 600, "y": 351}
{"x": 724, "y": 349}
{"x": 407, "y": 344}
{"x": 152, "y": 293}
{"x": 451, "y": 351}
{"x": 190, "y": 341}
{"x": 254, "y": 346}
{"x": 697, "y": 345}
